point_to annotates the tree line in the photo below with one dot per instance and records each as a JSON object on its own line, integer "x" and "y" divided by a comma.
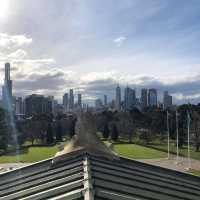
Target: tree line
{"x": 43, "y": 129}
{"x": 151, "y": 122}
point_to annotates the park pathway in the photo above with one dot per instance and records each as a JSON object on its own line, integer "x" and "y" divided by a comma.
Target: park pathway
{"x": 172, "y": 163}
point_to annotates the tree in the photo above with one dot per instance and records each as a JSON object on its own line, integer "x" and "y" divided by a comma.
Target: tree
{"x": 3, "y": 130}
{"x": 49, "y": 136}
{"x": 114, "y": 132}
{"x": 72, "y": 127}
{"x": 106, "y": 131}
{"x": 58, "y": 131}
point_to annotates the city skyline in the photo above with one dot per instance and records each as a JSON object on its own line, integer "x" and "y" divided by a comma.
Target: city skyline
{"x": 100, "y": 45}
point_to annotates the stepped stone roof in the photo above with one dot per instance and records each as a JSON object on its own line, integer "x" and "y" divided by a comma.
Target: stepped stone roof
{"x": 85, "y": 171}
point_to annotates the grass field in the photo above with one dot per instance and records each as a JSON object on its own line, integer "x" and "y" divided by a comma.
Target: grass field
{"x": 138, "y": 152}
{"x": 194, "y": 172}
{"x": 33, "y": 154}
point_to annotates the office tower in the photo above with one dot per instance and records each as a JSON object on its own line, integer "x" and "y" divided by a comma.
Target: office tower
{"x": 79, "y": 101}
{"x": 105, "y": 101}
{"x": 65, "y": 101}
{"x": 98, "y": 104}
{"x": 7, "y": 89}
{"x": 129, "y": 98}
{"x": 118, "y": 98}
{"x": 144, "y": 98}
{"x": 37, "y": 104}
{"x": 152, "y": 97}
{"x": 167, "y": 100}
{"x": 18, "y": 106}
{"x": 71, "y": 99}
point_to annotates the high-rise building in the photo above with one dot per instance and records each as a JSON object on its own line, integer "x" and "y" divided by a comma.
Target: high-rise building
{"x": 18, "y": 106}
{"x": 79, "y": 101}
{"x": 71, "y": 99}
{"x": 37, "y": 104}
{"x": 118, "y": 98}
{"x": 65, "y": 101}
{"x": 144, "y": 98}
{"x": 98, "y": 104}
{"x": 7, "y": 89}
{"x": 152, "y": 97}
{"x": 105, "y": 101}
{"x": 167, "y": 100}
{"x": 129, "y": 98}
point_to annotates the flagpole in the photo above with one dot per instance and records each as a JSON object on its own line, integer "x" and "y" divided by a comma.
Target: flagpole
{"x": 177, "y": 138}
{"x": 188, "y": 126}
{"x": 168, "y": 132}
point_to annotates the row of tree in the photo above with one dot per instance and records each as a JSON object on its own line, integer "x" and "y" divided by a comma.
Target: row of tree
{"x": 151, "y": 123}
{"x": 43, "y": 128}
{"x": 147, "y": 124}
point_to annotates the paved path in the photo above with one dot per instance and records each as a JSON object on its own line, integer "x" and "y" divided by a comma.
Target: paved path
{"x": 10, "y": 166}
{"x": 172, "y": 163}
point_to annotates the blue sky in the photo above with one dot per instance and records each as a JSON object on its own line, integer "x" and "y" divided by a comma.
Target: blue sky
{"x": 92, "y": 45}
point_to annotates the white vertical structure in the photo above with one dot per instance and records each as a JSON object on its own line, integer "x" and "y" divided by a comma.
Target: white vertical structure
{"x": 188, "y": 128}
{"x": 177, "y": 138}
{"x": 168, "y": 134}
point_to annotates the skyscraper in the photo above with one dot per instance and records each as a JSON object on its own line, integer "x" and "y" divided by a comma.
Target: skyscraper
{"x": 167, "y": 100}
{"x": 105, "y": 101}
{"x": 129, "y": 98}
{"x": 118, "y": 98}
{"x": 37, "y": 104}
{"x": 144, "y": 98}
{"x": 7, "y": 89}
{"x": 65, "y": 101}
{"x": 19, "y": 106}
{"x": 71, "y": 99}
{"x": 79, "y": 100}
{"x": 98, "y": 104}
{"x": 152, "y": 97}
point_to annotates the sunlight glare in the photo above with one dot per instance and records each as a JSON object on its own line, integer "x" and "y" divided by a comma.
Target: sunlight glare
{"x": 4, "y": 5}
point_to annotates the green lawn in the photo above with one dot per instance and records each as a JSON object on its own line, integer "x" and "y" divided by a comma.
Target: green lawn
{"x": 32, "y": 154}
{"x": 194, "y": 172}
{"x": 138, "y": 152}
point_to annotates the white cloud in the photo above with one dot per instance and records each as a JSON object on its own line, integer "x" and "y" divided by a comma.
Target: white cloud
{"x": 12, "y": 41}
{"x": 18, "y": 54}
{"x": 119, "y": 41}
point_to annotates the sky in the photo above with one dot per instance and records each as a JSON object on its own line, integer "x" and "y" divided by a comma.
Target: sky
{"x": 93, "y": 45}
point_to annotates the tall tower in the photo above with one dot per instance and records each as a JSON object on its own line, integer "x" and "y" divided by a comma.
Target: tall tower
{"x": 118, "y": 98}
{"x": 71, "y": 99}
{"x": 144, "y": 98}
{"x": 167, "y": 100}
{"x": 152, "y": 97}
{"x": 65, "y": 101}
{"x": 129, "y": 98}
{"x": 79, "y": 100}
{"x": 105, "y": 101}
{"x": 7, "y": 89}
